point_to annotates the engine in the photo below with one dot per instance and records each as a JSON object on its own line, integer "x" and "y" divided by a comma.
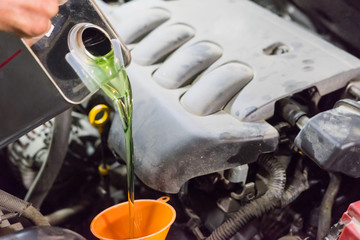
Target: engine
{"x": 245, "y": 113}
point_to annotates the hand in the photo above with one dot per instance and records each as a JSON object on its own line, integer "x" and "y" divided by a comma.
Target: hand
{"x": 27, "y": 18}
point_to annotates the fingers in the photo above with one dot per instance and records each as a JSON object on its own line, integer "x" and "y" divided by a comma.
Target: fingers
{"x": 31, "y": 26}
{"x": 27, "y": 18}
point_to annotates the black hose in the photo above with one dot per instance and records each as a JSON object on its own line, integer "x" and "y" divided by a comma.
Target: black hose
{"x": 327, "y": 204}
{"x": 298, "y": 185}
{"x": 257, "y": 207}
{"x": 54, "y": 161}
{"x": 290, "y": 110}
{"x": 22, "y": 208}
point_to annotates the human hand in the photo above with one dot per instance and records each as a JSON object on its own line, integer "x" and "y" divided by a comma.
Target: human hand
{"x": 27, "y": 18}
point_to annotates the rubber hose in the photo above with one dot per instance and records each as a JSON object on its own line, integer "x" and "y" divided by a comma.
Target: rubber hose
{"x": 257, "y": 207}
{"x": 54, "y": 161}
{"x": 12, "y": 203}
{"x": 62, "y": 215}
{"x": 35, "y": 216}
{"x": 327, "y": 204}
{"x": 298, "y": 185}
{"x": 17, "y": 205}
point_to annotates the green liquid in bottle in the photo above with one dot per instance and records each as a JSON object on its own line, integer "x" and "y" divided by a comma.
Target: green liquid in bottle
{"x": 116, "y": 85}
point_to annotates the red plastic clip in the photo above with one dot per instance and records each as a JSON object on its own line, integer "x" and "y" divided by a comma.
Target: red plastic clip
{"x": 351, "y": 220}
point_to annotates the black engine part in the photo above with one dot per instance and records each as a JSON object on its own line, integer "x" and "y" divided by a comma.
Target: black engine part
{"x": 44, "y": 233}
{"x": 332, "y": 138}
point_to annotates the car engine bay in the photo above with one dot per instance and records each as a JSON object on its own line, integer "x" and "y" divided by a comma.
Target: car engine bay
{"x": 245, "y": 113}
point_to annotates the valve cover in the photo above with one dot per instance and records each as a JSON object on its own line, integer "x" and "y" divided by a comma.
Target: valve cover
{"x": 206, "y": 75}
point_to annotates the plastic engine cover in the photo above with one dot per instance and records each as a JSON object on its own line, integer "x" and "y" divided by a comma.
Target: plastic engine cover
{"x": 206, "y": 75}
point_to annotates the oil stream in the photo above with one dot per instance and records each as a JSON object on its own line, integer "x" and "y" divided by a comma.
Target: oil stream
{"x": 116, "y": 85}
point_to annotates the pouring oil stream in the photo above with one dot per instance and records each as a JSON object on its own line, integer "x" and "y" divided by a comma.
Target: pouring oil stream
{"x": 118, "y": 88}
{"x": 103, "y": 66}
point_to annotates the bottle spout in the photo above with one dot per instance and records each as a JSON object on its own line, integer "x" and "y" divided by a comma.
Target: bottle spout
{"x": 89, "y": 47}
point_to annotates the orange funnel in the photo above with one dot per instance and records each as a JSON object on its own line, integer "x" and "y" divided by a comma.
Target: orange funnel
{"x": 153, "y": 219}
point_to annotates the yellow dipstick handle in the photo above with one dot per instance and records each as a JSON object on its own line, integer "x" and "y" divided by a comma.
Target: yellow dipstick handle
{"x": 95, "y": 111}
{"x": 104, "y": 169}
{"x": 164, "y": 199}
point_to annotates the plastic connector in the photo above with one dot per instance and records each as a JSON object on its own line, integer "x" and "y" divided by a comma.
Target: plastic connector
{"x": 332, "y": 138}
{"x": 351, "y": 221}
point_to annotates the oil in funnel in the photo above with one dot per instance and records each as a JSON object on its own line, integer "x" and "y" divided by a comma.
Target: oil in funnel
{"x": 153, "y": 219}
